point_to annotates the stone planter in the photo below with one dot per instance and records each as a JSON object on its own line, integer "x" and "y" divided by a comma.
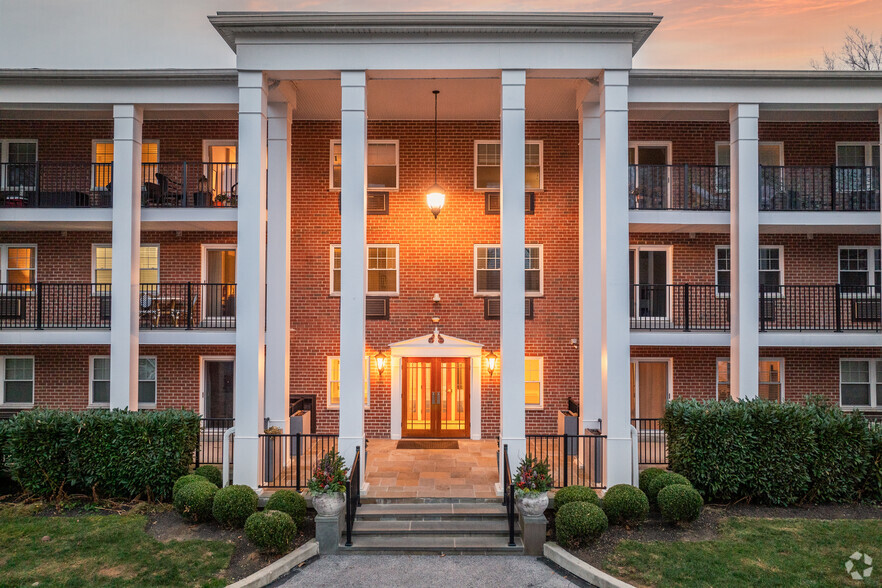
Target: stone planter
{"x": 331, "y": 503}
{"x": 532, "y": 504}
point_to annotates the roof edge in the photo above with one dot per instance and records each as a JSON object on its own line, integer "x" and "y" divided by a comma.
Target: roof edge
{"x": 128, "y": 75}
{"x": 752, "y": 74}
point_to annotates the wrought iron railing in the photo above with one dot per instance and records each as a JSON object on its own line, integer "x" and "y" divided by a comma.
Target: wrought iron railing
{"x": 54, "y": 306}
{"x": 678, "y": 187}
{"x": 353, "y": 494}
{"x": 652, "y": 443}
{"x": 56, "y": 185}
{"x": 573, "y": 460}
{"x": 181, "y": 184}
{"x": 508, "y": 495}
{"x": 819, "y": 188}
{"x": 289, "y": 460}
{"x": 187, "y": 305}
{"x": 681, "y": 307}
{"x": 210, "y": 448}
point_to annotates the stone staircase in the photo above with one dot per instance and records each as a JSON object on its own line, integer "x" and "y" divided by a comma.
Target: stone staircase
{"x": 455, "y": 527}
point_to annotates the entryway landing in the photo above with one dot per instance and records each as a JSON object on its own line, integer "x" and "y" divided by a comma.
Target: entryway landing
{"x": 467, "y": 472}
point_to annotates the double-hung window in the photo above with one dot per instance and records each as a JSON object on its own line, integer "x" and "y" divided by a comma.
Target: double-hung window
{"x": 18, "y": 381}
{"x": 102, "y": 159}
{"x": 382, "y": 270}
{"x": 382, "y": 165}
{"x": 771, "y": 269}
{"x": 771, "y": 379}
{"x": 102, "y": 258}
{"x": 533, "y": 377}
{"x": 18, "y": 159}
{"x": 859, "y": 270}
{"x": 488, "y": 268}
{"x": 860, "y": 383}
{"x": 853, "y": 161}
{"x": 333, "y": 398}
{"x": 18, "y": 267}
{"x": 488, "y": 157}
{"x": 99, "y": 381}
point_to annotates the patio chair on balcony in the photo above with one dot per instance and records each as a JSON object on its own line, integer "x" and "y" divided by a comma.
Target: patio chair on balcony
{"x": 167, "y": 198}
{"x": 147, "y": 311}
{"x": 179, "y": 313}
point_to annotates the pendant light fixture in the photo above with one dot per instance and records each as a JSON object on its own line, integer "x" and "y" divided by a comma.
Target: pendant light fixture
{"x": 435, "y": 196}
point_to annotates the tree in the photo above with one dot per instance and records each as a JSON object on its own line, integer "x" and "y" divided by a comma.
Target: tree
{"x": 859, "y": 52}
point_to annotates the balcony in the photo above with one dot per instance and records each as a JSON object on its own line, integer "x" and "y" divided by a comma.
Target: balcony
{"x": 790, "y": 308}
{"x": 678, "y": 187}
{"x": 55, "y": 185}
{"x": 189, "y": 185}
{"x": 187, "y": 305}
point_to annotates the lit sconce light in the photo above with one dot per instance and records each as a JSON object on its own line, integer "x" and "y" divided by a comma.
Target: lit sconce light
{"x": 381, "y": 362}
{"x": 435, "y": 196}
{"x": 491, "y": 363}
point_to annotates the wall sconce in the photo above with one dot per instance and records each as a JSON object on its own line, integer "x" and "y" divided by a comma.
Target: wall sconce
{"x": 491, "y": 363}
{"x": 381, "y": 362}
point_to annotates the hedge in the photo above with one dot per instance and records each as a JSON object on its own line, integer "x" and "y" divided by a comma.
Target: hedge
{"x": 776, "y": 453}
{"x": 111, "y": 453}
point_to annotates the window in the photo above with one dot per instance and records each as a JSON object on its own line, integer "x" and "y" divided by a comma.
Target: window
{"x": 334, "y": 382}
{"x": 488, "y": 155}
{"x": 99, "y": 381}
{"x": 855, "y": 274}
{"x": 770, "y": 154}
{"x": 382, "y": 270}
{"x": 147, "y": 381}
{"x": 102, "y": 156}
{"x": 382, "y": 165}
{"x": 860, "y": 382}
{"x": 102, "y": 258}
{"x": 488, "y": 265}
{"x": 18, "y": 157}
{"x": 771, "y": 269}
{"x": 18, "y": 267}
{"x": 18, "y": 381}
{"x": 857, "y": 154}
{"x": 771, "y": 379}
{"x": 533, "y": 382}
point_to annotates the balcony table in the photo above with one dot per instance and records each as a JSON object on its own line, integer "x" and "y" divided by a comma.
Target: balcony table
{"x": 166, "y": 306}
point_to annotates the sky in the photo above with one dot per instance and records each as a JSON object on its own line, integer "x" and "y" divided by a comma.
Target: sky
{"x": 722, "y": 34}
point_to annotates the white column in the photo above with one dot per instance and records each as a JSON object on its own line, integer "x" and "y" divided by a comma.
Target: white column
{"x": 250, "y": 278}
{"x": 353, "y": 211}
{"x": 278, "y": 263}
{"x": 590, "y": 299}
{"x": 512, "y": 328}
{"x": 744, "y": 250}
{"x": 878, "y": 163}
{"x": 615, "y": 327}
{"x": 126, "y": 257}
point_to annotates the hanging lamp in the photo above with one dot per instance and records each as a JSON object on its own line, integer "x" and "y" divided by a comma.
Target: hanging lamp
{"x": 435, "y": 196}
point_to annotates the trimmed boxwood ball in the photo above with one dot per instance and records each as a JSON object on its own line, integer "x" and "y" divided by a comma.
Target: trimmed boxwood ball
{"x": 271, "y": 530}
{"x": 210, "y": 473}
{"x": 575, "y": 494}
{"x": 647, "y": 476}
{"x": 194, "y": 500}
{"x": 185, "y": 480}
{"x": 679, "y": 504}
{"x": 578, "y": 523}
{"x": 289, "y": 502}
{"x": 663, "y": 481}
{"x": 234, "y": 504}
{"x": 625, "y": 505}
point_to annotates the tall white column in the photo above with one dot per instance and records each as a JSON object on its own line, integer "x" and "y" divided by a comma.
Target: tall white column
{"x": 126, "y": 256}
{"x": 615, "y": 327}
{"x": 878, "y": 163}
{"x": 744, "y": 250}
{"x": 590, "y": 299}
{"x": 278, "y": 264}
{"x": 250, "y": 278}
{"x": 353, "y": 212}
{"x": 512, "y": 284}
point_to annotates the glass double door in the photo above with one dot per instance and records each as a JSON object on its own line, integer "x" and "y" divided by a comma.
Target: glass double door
{"x": 435, "y": 395}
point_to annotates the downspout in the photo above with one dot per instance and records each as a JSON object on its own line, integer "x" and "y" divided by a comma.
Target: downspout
{"x": 225, "y": 459}
{"x": 635, "y": 458}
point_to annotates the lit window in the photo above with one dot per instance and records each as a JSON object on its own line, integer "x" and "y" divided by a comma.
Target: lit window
{"x": 382, "y": 270}
{"x": 382, "y": 165}
{"x": 533, "y": 382}
{"x": 18, "y": 265}
{"x": 102, "y": 158}
{"x": 102, "y": 258}
{"x": 18, "y": 380}
{"x": 334, "y": 382}
{"x": 488, "y": 157}
{"x": 488, "y": 264}
{"x": 770, "y": 380}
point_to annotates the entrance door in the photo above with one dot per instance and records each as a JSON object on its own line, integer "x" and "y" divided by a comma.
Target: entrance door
{"x": 649, "y": 389}
{"x": 219, "y": 309}
{"x": 436, "y": 397}
{"x": 218, "y": 378}
{"x": 649, "y": 279}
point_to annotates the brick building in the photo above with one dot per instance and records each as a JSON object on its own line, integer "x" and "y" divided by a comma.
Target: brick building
{"x": 685, "y": 233}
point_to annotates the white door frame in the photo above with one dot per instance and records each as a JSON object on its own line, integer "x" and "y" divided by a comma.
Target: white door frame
{"x": 202, "y": 381}
{"x": 669, "y": 272}
{"x": 669, "y": 393}
{"x": 206, "y": 247}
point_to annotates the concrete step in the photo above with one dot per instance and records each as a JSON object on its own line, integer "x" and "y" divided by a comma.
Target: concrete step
{"x": 430, "y": 512}
{"x": 434, "y": 544}
{"x": 495, "y": 527}
{"x": 427, "y": 500}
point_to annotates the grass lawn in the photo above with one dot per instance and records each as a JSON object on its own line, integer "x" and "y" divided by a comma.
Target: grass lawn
{"x": 101, "y": 550}
{"x": 754, "y": 552}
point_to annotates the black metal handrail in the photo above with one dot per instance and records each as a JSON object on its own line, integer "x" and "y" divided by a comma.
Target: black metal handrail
{"x": 42, "y": 305}
{"x": 353, "y": 494}
{"x": 652, "y": 443}
{"x": 681, "y": 307}
{"x": 289, "y": 460}
{"x": 678, "y": 187}
{"x": 210, "y": 448}
{"x": 181, "y": 184}
{"x": 574, "y": 460}
{"x": 508, "y": 495}
{"x": 819, "y": 188}
{"x": 54, "y": 184}
{"x": 187, "y": 305}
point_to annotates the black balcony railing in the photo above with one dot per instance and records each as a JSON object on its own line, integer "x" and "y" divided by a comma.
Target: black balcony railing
{"x": 678, "y": 187}
{"x": 182, "y": 184}
{"x": 819, "y": 188}
{"x": 210, "y": 449}
{"x": 54, "y": 306}
{"x": 573, "y": 460}
{"x": 187, "y": 305}
{"x": 652, "y": 443}
{"x": 289, "y": 460}
{"x": 56, "y": 185}
{"x": 681, "y": 307}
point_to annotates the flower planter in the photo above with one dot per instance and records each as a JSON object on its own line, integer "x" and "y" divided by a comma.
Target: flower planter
{"x": 532, "y": 504}
{"x": 330, "y": 503}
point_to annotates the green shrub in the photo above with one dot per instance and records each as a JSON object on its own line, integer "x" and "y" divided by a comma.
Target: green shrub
{"x": 679, "y": 504}
{"x": 290, "y": 502}
{"x": 663, "y": 481}
{"x": 625, "y": 505}
{"x": 112, "y": 453}
{"x": 234, "y": 504}
{"x": 210, "y": 473}
{"x": 871, "y": 488}
{"x": 842, "y": 458}
{"x": 184, "y": 480}
{"x": 271, "y": 530}
{"x": 194, "y": 501}
{"x": 647, "y": 476}
{"x": 575, "y": 494}
{"x": 579, "y": 523}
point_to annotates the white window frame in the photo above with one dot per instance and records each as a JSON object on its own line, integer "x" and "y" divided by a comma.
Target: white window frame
{"x": 334, "y": 188}
{"x": 718, "y": 144}
{"x": 868, "y": 150}
{"x": 331, "y": 268}
{"x": 873, "y": 255}
{"x": 875, "y": 400}
{"x": 148, "y": 405}
{"x": 96, "y": 142}
{"x": 781, "y": 282}
{"x": 207, "y": 144}
{"x": 490, "y": 293}
{"x": 92, "y": 403}
{"x": 4, "y": 156}
{"x": 669, "y": 273}
{"x": 95, "y": 247}
{"x": 717, "y": 270}
{"x": 367, "y": 383}
{"x": 33, "y": 381}
{"x": 155, "y": 382}
{"x": 782, "y": 370}
{"x": 541, "y": 404}
{"x": 485, "y": 142}
{"x": 4, "y": 262}
{"x": 636, "y": 144}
